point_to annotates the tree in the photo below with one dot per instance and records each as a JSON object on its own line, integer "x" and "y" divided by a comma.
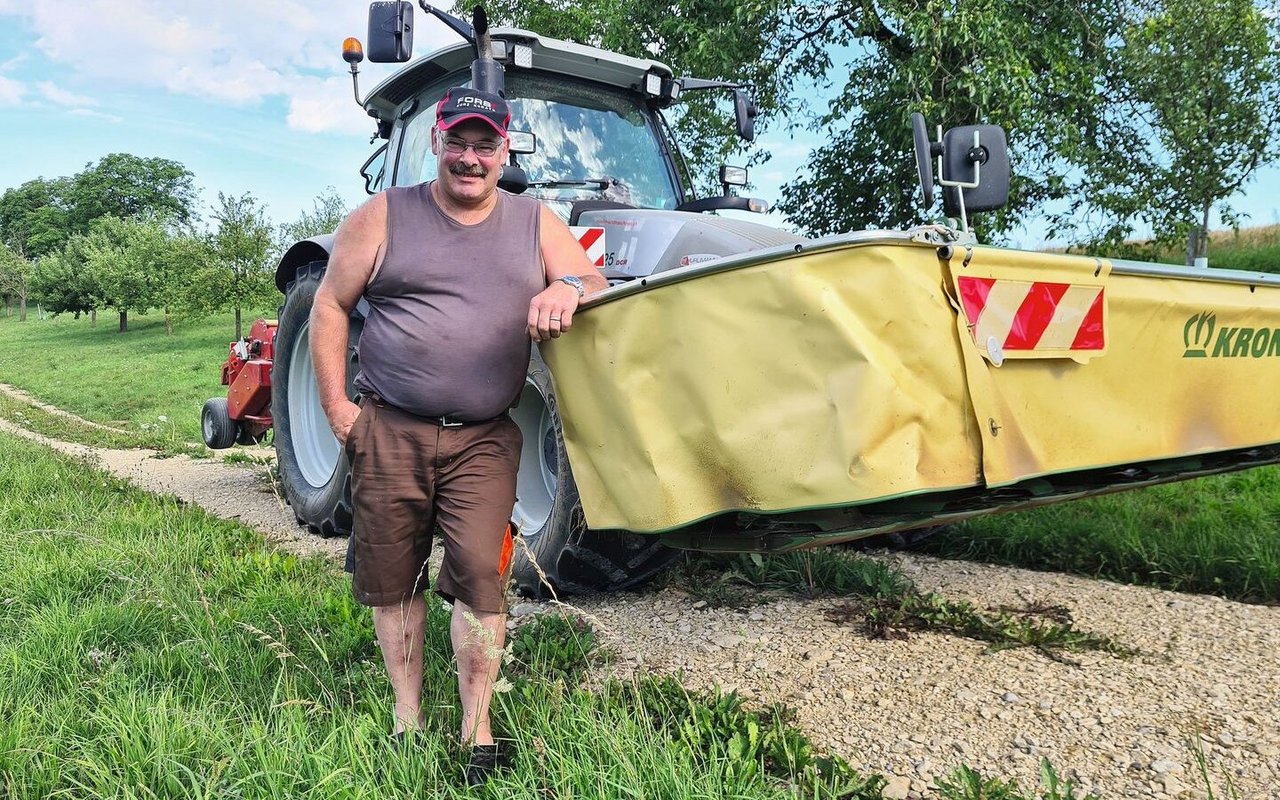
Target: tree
{"x": 328, "y": 211}
{"x": 34, "y": 217}
{"x": 63, "y": 281}
{"x": 41, "y": 215}
{"x": 15, "y": 273}
{"x": 1197, "y": 88}
{"x": 127, "y": 259}
{"x": 128, "y": 186}
{"x": 1031, "y": 67}
{"x": 239, "y": 274}
{"x": 187, "y": 256}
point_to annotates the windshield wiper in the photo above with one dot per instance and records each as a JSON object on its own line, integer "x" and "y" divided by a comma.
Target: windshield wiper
{"x": 598, "y": 183}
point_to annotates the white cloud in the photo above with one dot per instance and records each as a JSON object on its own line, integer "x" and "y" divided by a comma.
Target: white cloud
{"x": 10, "y": 91}
{"x": 91, "y": 114}
{"x": 327, "y": 105}
{"x": 237, "y": 52}
{"x": 62, "y": 97}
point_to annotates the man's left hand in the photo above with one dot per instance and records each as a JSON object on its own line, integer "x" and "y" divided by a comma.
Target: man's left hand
{"x": 551, "y": 311}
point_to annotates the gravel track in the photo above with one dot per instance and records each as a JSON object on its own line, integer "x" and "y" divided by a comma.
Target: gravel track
{"x": 1208, "y": 669}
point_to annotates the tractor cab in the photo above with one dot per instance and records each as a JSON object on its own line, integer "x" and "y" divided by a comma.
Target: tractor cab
{"x": 586, "y": 123}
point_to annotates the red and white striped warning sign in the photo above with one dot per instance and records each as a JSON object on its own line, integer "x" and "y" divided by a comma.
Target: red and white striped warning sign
{"x": 592, "y": 240}
{"x": 1026, "y": 318}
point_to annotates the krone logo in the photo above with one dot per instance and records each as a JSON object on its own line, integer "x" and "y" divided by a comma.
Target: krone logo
{"x": 1203, "y": 338}
{"x": 1198, "y": 332}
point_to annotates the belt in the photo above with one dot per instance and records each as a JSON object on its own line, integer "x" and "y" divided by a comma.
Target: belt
{"x": 443, "y": 422}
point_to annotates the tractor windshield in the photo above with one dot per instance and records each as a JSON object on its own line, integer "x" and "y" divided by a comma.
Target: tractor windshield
{"x": 593, "y": 142}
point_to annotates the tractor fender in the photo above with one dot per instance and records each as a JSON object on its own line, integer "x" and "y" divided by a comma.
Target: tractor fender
{"x": 317, "y": 248}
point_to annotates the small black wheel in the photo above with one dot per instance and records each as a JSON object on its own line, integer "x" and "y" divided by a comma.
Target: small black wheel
{"x": 219, "y": 429}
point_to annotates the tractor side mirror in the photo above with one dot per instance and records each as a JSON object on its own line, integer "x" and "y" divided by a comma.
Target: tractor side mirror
{"x": 390, "y": 31}
{"x": 522, "y": 142}
{"x": 745, "y": 113}
{"x": 972, "y": 167}
{"x": 975, "y": 161}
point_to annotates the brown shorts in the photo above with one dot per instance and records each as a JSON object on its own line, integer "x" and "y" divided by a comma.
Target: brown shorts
{"x": 407, "y": 475}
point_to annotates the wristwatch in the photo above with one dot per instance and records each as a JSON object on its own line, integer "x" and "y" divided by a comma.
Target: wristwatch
{"x": 575, "y": 282}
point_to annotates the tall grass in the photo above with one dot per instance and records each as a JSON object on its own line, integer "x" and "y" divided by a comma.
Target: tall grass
{"x": 1251, "y": 249}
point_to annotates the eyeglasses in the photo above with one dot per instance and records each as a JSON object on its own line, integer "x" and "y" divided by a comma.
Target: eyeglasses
{"x": 483, "y": 148}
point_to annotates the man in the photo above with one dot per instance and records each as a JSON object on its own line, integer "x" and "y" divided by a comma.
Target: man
{"x": 459, "y": 277}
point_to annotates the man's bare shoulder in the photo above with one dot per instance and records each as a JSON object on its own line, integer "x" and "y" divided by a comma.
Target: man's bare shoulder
{"x": 369, "y": 219}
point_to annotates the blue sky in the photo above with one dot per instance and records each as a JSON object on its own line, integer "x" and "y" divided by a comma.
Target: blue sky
{"x": 251, "y": 96}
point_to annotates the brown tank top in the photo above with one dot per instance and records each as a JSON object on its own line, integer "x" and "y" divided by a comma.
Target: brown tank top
{"x": 447, "y": 331}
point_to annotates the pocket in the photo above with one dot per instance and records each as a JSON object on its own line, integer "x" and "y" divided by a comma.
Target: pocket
{"x": 357, "y": 427}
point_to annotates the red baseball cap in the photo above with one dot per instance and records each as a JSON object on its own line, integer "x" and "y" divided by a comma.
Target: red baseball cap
{"x": 462, "y": 104}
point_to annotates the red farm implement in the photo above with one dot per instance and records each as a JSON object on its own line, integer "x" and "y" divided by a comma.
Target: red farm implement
{"x": 244, "y": 415}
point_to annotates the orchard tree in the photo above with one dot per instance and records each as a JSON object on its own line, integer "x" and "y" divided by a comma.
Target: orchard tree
{"x": 187, "y": 256}
{"x": 128, "y": 261}
{"x": 63, "y": 281}
{"x": 15, "y": 273}
{"x": 239, "y": 274}
{"x": 41, "y": 215}
{"x": 1197, "y": 111}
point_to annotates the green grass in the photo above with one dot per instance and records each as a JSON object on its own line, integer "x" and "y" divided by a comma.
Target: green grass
{"x": 1216, "y": 535}
{"x": 141, "y": 381}
{"x": 149, "y": 650}
{"x": 1251, "y": 249}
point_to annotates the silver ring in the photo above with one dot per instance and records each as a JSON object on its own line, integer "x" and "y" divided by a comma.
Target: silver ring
{"x": 555, "y": 319}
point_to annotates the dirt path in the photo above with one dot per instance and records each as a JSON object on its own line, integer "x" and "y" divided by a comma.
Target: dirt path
{"x": 1208, "y": 672}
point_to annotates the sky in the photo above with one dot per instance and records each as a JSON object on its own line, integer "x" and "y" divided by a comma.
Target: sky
{"x": 251, "y": 96}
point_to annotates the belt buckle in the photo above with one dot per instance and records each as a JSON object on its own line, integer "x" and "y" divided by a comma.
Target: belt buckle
{"x": 445, "y": 422}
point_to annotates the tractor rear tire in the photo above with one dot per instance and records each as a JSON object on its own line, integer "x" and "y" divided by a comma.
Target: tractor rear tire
{"x": 217, "y": 427}
{"x": 559, "y": 552}
{"x": 314, "y": 471}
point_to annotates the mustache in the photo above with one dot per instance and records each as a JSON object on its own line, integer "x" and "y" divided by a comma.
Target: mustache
{"x": 468, "y": 172}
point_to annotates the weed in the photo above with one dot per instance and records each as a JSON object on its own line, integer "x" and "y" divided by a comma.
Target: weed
{"x": 747, "y": 744}
{"x": 1202, "y": 767}
{"x": 744, "y": 580}
{"x": 553, "y": 647}
{"x": 969, "y": 784}
{"x": 1049, "y": 630}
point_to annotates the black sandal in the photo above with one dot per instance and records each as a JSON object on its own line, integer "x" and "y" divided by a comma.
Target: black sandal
{"x": 486, "y": 760}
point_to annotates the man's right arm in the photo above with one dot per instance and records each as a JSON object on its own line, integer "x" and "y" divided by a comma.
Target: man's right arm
{"x": 357, "y": 249}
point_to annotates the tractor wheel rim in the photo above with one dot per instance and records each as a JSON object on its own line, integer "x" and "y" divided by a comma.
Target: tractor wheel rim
{"x": 315, "y": 448}
{"x": 539, "y": 464}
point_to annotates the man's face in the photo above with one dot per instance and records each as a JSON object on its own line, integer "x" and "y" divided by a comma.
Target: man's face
{"x": 468, "y": 177}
